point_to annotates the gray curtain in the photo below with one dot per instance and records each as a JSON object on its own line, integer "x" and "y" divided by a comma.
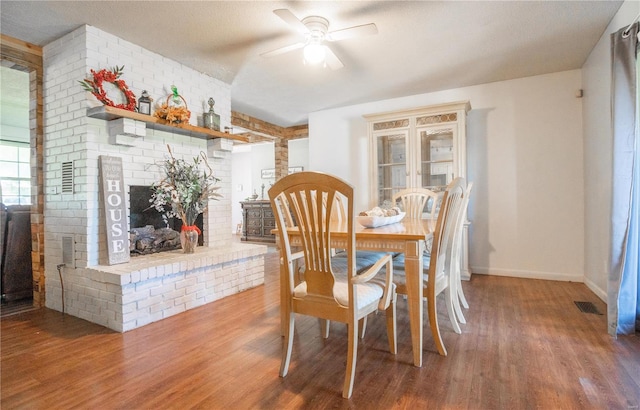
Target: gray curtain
{"x": 622, "y": 303}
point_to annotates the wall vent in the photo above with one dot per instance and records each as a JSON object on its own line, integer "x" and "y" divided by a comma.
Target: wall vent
{"x": 67, "y": 177}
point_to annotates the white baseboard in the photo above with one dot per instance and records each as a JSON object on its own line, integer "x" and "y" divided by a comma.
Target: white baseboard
{"x": 514, "y": 273}
{"x": 602, "y": 294}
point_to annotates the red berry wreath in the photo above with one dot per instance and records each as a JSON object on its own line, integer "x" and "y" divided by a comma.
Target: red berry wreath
{"x": 94, "y": 86}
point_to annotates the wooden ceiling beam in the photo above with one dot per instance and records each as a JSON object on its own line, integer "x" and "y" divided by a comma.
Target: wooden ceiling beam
{"x": 296, "y": 132}
{"x": 265, "y": 129}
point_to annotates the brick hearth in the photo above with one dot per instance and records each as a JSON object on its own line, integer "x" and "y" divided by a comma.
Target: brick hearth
{"x": 153, "y": 287}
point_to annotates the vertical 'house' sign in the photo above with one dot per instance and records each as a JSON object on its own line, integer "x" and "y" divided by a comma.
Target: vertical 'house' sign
{"x": 112, "y": 188}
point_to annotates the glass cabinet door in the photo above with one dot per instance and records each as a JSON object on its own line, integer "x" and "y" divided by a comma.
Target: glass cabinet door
{"x": 436, "y": 157}
{"x": 421, "y": 147}
{"x": 391, "y": 163}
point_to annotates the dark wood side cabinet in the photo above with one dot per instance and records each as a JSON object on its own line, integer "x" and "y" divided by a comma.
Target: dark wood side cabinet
{"x": 257, "y": 221}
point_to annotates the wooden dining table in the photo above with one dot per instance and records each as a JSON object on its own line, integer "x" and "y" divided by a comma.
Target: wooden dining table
{"x": 409, "y": 237}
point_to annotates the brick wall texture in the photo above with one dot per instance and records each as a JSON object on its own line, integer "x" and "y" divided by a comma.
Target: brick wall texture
{"x": 71, "y": 136}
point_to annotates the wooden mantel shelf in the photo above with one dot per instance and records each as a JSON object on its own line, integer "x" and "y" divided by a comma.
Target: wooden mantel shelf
{"x": 111, "y": 113}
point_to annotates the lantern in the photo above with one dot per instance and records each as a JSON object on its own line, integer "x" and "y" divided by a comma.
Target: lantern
{"x": 144, "y": 103}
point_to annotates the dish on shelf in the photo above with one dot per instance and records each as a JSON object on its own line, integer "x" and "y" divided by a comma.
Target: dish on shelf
{"x": 376, "y": 221}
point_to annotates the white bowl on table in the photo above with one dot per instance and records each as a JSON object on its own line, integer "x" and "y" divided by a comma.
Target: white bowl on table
{"x": 376, "y": 221}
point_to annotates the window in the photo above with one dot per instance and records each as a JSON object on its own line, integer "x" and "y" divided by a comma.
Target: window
{"x": 15, "y": 173}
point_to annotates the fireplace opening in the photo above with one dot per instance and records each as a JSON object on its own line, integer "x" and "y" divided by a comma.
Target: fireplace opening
{"x": 149, "y": 232}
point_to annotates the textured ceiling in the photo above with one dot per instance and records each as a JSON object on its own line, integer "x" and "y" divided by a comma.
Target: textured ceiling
{"x": 421, "y": 46}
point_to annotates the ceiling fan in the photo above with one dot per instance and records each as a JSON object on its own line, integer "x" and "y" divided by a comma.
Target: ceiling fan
{"x": 317, "y": 34}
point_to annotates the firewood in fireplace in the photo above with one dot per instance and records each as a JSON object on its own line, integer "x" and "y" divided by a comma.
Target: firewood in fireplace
{"x": 147, "y": 239}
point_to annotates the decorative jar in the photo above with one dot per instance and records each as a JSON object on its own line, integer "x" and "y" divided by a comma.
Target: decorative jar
{"x": 211, "y": 119}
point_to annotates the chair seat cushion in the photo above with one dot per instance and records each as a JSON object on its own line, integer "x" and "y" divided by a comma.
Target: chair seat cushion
{"x": 400, "y": 279}
{"x": 398, "y": 262}
{"x": 364, "y": 259}
{"x": 366, "y": 292}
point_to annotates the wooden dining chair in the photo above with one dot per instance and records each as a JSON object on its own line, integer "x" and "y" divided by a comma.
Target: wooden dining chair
{"x": 418, "y": 201}
{"x": 329, "y": 290}
{"x": 364, "y": 259}
{"x": 439, "y": 265}
{"x": 456, "y": 280}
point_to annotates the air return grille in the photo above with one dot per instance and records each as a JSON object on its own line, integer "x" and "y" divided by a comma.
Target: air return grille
{"x": 587, "y": 307}
{"x": 67, "y": 177}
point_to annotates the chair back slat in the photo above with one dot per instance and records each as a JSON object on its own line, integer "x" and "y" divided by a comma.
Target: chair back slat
{"x": 415, "y": 202}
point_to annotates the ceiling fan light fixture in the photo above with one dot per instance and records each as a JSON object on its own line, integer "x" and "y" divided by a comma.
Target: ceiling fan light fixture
{"x": 314, "y": 54}
{"x": 317, "y": 34}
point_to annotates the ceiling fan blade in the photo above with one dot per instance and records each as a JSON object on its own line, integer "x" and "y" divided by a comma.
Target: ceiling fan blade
{"x": 292, "y": 20}
{"x": 282, "y": 50}
{"x": 355, "y": 31}
{"x": 332, "y": 60}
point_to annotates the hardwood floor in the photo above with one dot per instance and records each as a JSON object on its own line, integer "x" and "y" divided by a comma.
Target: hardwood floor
{"x": 526, "y": 345}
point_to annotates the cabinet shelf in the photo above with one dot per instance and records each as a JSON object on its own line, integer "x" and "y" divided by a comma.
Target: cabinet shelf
{"x": 109, "y": 113}
{"x": 441, "y": 161}
{"x": 392, "y": 164}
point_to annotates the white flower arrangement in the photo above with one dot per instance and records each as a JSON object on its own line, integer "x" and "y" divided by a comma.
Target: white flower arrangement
{"x": 185, "y": 190}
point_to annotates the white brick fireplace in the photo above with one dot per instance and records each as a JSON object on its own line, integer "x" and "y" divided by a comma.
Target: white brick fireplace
{"x": 151, "y": 287}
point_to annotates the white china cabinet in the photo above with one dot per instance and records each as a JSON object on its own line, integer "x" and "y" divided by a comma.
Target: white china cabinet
{"x": 422, "y": 147}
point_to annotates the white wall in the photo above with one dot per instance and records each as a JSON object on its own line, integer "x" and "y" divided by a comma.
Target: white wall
{"x": 249, "y": 160}
{"x": 525, "y": 156}
{"x": 262, "y": 157}
{"x": 598, "y": 151}
{"x": 299, "y": 153}
{"x": 241, "y": 186}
